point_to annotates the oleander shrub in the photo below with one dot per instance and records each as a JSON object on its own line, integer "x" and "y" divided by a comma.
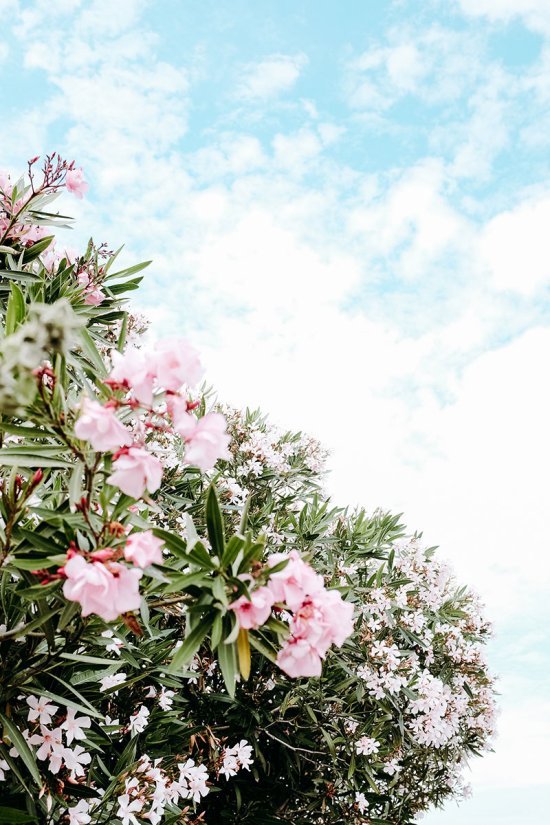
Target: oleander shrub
{"x": 191, "y": 631}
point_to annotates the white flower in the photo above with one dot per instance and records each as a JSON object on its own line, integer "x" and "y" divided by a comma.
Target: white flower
{"x": 139, "y": 721}
{"x": 365, "y": 745}
{"x": 126, "y": 809}
{"x": 79, "y": 815}
{"x": 230, "y": 766}
{"x": 361, "y": 802}
{"x": 3, "y": 768}
{"x": 73, "y": 725}
{"x": 75, "y": 758}
{"x": 111, "y": 681}
{"x": 115, "y": 645}
{"x": 165, "y": 699}
{"x": 243, "y": 752}
{"x": 49, "y": 740}
{"x": 192, "y": 781}
{"x": 41, "y": 710}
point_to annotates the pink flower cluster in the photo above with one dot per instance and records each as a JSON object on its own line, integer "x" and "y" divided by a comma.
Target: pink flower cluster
{"x": 172, "y": 366}
{"x": 320, "y": 617}
{"x": 56, "y": 174}
{"x": 104, "y": 586}
{"x": 104, "y": 589}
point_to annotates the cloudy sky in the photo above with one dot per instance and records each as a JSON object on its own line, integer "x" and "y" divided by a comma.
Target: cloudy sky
{"x": 348, "y": 209}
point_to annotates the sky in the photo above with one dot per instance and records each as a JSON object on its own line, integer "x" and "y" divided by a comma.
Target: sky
{"x": 347, "y": 207}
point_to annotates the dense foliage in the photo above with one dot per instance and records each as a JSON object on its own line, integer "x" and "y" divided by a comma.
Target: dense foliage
{"x": 191, "y": 632}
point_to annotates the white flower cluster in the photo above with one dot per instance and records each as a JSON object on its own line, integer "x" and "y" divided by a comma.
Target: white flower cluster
{"x": 151, "y": 788}
{"x": 263, "y": 447}
{"x": 420, "y": 628}
{"x": 235, "y": 758}
{"x": 53, "y": 740}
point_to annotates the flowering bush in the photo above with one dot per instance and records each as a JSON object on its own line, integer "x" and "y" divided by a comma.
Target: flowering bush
{"x": 190, "y": 632}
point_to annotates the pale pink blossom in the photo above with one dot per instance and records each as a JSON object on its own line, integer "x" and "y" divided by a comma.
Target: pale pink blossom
{"x": 75, "y": 758}
{"x": 366, "y": 746}
{"x": 324, "y": 619}
{"x": 135, "y": 371}
{"x": 79, "y": 814}
{"x": 294, "y": 582}
{"x": 206, "y": 439}
{"x": 135, "y": 471}
{"x": 92, "y": 295}
{"x": 40, "y": 709}
{"x": 104, "y": 590}
{"x": 74, "y": 725}
{"x": 254, "y": 612}
{"x": 177, "y": 363}
{"x": 127, "y": 809}
{"x": 48, "y": 740}
{"x": 75, "y": 182}
{"x": 143, "y": 549}
{"x": 298, "y": 658}
{"x": 100, "y": 426}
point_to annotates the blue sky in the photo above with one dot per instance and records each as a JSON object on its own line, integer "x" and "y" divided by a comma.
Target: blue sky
{"x": 347, "y": 204}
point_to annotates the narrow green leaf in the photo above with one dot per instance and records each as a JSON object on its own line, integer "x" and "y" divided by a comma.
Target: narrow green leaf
{"x": 185, "y": 653}
{"x": 17, "y": 739}
{"x": 228, "y": 665}
{"x": 214, "y": 522}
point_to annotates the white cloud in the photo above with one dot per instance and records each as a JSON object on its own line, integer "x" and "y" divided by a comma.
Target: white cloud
{"x": 435, "y": 64}
{"x": 258, "y": 264}
{"x": 271, "y": 77}
{"x": 515, "y": 246}
{"x": 534, "y": 13}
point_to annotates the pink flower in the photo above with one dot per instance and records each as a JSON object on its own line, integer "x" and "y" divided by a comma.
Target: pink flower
{"x": 253, "y": 612}
{"x": 135, "y": 471}
{"x": 206, "y": 438}
{"x": 132, "y": 368}
{"x": 295, "y": 582}
{"x": 143, "y": 549}
{"x": 322, "y": 620}
{"x": 75, "y": 182}
{"x": 105, "y": 591}
{"x": 177, "y": 363}
{"x": 337, "y": 616}
{"x": 298, "y": 658}
{"x": 100, "y": 426}
{"x": 92, "y": 295}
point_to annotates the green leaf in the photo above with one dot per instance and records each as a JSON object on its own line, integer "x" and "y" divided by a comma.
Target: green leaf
{"x": 131, "y": 270}
{"x": 18, "y": 457}
{"x": 228, "y": 666}
{"x": 92, "y": 354}
{"x": 199, "y": 555}
{"x": 216, "y": 635}
{"x": 37, "y": 248}
{"x": 12, "y": 815}
{"x": 181, "y": 583}
{"x": 22, "y": 748}
{"x": 214, "y": 522}
{"x": 75, "y": 483}
{"x": 232, "y": 548}
{"x": 185, "y": 653}
{"x": 174, "y": 543}
{"x": 262, "y": 646}
{"x": 82, "y": 705}
{"x": 16, "y": 309}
